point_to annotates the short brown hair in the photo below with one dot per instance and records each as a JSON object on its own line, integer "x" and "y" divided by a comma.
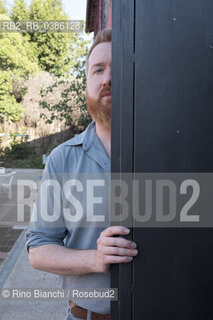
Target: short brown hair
{"x": 104, "y": 35}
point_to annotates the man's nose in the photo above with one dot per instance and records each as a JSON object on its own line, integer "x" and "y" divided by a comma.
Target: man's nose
{"x": 107, "y": 78}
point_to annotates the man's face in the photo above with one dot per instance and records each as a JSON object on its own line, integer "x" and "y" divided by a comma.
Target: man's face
{"x": 99, "y": 84}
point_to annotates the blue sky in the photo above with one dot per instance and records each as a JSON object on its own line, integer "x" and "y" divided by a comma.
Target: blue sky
{"x": 76, "y": 9}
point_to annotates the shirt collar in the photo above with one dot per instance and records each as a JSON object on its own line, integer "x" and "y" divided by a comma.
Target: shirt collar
{"x": 85, "y": 138}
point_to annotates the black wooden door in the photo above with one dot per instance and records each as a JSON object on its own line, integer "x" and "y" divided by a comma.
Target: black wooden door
{"x": 162, "y": 120}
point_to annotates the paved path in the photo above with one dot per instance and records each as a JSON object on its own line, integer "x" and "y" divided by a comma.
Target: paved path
{"x": 10, "y": 227}
{"x": 15, "y": 270}
{"x": 23, "y": 276}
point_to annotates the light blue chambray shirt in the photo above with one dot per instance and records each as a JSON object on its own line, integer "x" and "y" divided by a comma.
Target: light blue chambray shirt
{"x": 85, "y": 154}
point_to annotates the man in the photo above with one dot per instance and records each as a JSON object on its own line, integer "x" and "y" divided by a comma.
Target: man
{"x": 84, "y": 259}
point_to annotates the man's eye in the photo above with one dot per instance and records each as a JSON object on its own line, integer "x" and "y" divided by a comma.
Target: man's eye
{"x": 98, "y": 70}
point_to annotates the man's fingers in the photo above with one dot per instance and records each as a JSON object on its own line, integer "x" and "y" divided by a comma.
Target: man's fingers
{"x": 117, "y": 242}
{"x": 112, "y": 249}
{"x": 115, "y": 230}
{"x": 119, "y": 251}
{"x": 117, "y": 259}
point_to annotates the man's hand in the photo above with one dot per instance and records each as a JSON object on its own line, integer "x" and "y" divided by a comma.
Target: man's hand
{"x": 113, "y": 249}
{"x": 64, "y": 261}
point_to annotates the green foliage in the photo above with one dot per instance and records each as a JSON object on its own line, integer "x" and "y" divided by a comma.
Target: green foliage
{"x": 9, "y": 107}
{"x": 19, "y": 11}
{"x": 61, "y": 54}
{"x": 46, "y": 10}
{"x": 20, "y": 154}
{"x": 17, "y": 55}
{"x": 29, "y": 163}
{"x": 17, "y": 150}
{"x": 34, "y": 163}
{"x": 19, "y": 89}
{"x": 17, "y": 61}
{"x": 52, "y": 48}
{"x": 74, "y": 96}
{"x": 5, "y": 83}
{"x": 3, "y": 8}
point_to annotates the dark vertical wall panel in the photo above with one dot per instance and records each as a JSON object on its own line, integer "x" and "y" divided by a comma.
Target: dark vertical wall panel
{"x": 174, "y": 95}
{"x": 174, "y": 274}
{"x": 162, "y": 115}
{"x": 173, "y": 125}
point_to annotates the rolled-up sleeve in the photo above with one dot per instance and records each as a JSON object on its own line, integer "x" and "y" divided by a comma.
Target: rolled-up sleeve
{"x": 36, "y": 237}
{"x": 41, "y": 231}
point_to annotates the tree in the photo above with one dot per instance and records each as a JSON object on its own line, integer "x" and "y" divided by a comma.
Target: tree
{"x": 47, "y": 10}
{"x": 57, "y": 53}
{"x": 19, "y": 11}
{"x": 24, "y": 54}
{"x": 16, "y": 53}
{"x": 72, "y": 98}
{"x": 52, "y": 48}
{"x": 3, "y": 8}
{"x": 17, "y": 61}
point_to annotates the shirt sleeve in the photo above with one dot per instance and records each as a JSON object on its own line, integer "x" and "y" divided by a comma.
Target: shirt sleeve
{"x": 47, "y": 224}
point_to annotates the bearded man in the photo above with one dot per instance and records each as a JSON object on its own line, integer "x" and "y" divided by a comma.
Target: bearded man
{"x": 82, "y": 254}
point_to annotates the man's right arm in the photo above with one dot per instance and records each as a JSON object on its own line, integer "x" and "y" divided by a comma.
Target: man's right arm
{"x": 60, "y": 260}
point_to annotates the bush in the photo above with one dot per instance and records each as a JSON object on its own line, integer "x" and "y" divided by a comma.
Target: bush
{"x": 30, "y": 163}
{"x": 17, "y": 151}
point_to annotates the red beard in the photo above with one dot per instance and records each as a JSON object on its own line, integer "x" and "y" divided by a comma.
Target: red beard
{"x": 100, "y": 109}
